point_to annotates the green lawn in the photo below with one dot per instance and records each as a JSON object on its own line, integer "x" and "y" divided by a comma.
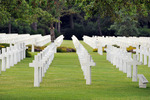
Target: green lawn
{"x": 64, "y": 80}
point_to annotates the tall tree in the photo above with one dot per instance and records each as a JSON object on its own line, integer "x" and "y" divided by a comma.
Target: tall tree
{"x": 104, "y": 8}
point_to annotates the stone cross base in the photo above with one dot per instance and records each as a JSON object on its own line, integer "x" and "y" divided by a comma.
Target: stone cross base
{"x": 142, "y": 81}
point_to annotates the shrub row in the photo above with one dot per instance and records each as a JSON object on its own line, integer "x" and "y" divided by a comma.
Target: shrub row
{"x": 4, "y": 45}
{"x": 65, "y": 49}
{"x": 36, "y": 48}
{"x": 129, "y": 49}
{"x": 96, "y": 50}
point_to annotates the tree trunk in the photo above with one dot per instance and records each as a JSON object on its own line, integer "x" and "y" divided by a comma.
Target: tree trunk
{"x": 52, "y": 33}
{"x": 59, "y": 25}
{"x": 71, "y": 21}
{"x": 99, "y": 27}
{"x": 9, "y": 27}
{"x": 56, "y": 24}
{"x": 34, "y": 26}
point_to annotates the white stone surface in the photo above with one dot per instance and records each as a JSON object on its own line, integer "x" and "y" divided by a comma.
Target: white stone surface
{"x": 134, "y": 62}
{"x": 85, "y": 60}
{"x": 34, "y": 40}
{"x": 12, "y": 55}
{"x": 142, "y": 81}
{"x": 43, "y": 59}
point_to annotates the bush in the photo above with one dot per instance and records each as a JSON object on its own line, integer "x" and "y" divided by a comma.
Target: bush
{"x": 27, "y": 53}
{"x": 40, "y": 31}
{"x": 27, "y": 29}
{"x": 36, "y": 48}
{"x": 144, "y": 31}
{"x": 130, "y": 49}
{"x": 65, "y": 49}
{"x": 116, "y": 46}
{"x": 4, "y": 45}
{"x": 104, "y": 48}
{"x": 95, "y": 50}
{"x": 56, "y": 33}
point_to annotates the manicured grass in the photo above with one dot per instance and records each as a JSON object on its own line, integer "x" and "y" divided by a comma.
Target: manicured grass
{"x": 64, "y": 80}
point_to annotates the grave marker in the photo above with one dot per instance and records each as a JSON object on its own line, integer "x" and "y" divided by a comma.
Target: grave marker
{"x": 134, "y": 62}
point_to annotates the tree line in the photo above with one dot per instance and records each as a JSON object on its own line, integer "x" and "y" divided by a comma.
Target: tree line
{"x": 78, "y": 17}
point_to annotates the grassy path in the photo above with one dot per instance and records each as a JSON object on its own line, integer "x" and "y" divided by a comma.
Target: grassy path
{"x": 64, "y": 81}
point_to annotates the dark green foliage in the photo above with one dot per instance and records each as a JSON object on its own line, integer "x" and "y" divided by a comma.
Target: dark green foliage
{"x": 43, "y": 28}
{"x": 95, "y": 50}
{"x": 127, "y": 26}
{"x": 28, "y": 54}
{"x": 56, "y": 33}
{"x": 4, "y": 45}
{"x": 65, "y": 49}
{"x": 144, "y": 32}
{"x": 79, "y": 30}
{"x": 20, "y": 28}
{"x": 40, "y": 31}
{"x": 116, "y": 46}
{"x": 27, "y": 29}
{"x": 36, "y": 48}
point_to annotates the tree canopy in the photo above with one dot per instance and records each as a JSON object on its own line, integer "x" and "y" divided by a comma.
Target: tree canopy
{"x": 110, "y": 7}
{"x": 49, "y": 12}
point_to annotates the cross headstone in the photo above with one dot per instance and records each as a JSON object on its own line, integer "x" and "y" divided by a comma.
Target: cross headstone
{"x": 14, "y": 55}
{"x": 24, "y": 50}
{"x": 89, "y": 63}
{"x": 0, "y": 61}
{"x": 134, "y": 62}
{"x": 37, "y": 71}
{"x": 149, "y": 58}
{"x": 3, "y": 59}
{"x": 100, "y": 49}
{"x": 129, "y": 69}
{"x": 32, "y": 48}
{"x": 8, "y": 57}
{"x": 141, "y": 54}
{"x": 145, "y": 55}
{"x": 137, "y": 50}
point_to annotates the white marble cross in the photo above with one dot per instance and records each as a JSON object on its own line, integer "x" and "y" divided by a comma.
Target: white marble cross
{"x": 141, "y": 54}
{"x": 89, "y": 62}
{"x": 142, "y": 81}
{"x": 37, "y": 70}
{"x": 0, "y": 62}
{"x": 145, "y": 55}
{"x": 134, "y": 62}
{"x": 129, "y": 69}
{"x": 100, "y": 49}
{"x": 149, "y": 57}
{"x": 137, "y": 50}
{"x": 8, "y": 57}
{"x": 3, "y": 56}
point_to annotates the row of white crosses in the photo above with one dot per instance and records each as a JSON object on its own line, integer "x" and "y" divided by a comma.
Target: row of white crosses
{"x": 34, "y": 40}
{"x": 85, "y": 60}
{"x": 143, "y": 50}
{"x": 123, "y": 42}
{"x": 12, "y": 55}
{"x": 43, "y": 60}
{"x": 59, "y": 40}
{"x": 42, "y": 41}
{"x": 90, "y": 41}
{"x": 123, "y": 60}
